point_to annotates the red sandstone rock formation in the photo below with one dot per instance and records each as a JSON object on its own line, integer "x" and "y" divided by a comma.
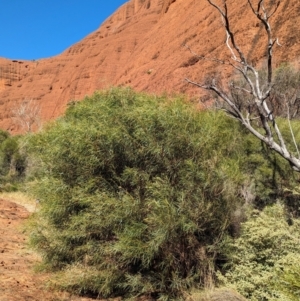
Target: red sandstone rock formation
{"x": 141, "y": 45}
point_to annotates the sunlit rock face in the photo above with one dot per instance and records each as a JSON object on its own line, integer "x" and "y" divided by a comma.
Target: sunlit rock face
{"x": 143, "y": 45}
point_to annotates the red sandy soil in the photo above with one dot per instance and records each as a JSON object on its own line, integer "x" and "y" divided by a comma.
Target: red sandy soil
{"x": 18, "y": 281}
{"x": 141, "y": 46}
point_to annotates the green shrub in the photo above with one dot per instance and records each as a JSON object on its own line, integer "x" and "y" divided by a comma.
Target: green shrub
{"x": 272, "y": 176}
{"x": 136, "y": 193}
{"x": 8, "y": 148}
{"x": 288, "y": 276}
{"x": 260, "y": 267}
{"x": 12, "y": 161}
{"x": 3, "y": 136}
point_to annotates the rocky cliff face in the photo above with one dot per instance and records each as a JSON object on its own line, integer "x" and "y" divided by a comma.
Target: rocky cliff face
{"x": 141, "y": 45}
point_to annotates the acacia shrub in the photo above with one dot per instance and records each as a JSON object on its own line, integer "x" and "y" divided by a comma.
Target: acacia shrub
{"x": 264, "y": 261}
{"x": 136, "y": 194}
{"x": 12, "y": 161}
{"x": 272, "y": 178}
{"x": 5, "y": 152}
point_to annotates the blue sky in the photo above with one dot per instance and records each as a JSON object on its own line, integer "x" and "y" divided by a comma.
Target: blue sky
{"x": 34, "y": 29}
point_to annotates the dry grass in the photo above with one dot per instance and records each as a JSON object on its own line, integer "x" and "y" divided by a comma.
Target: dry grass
{"x": 20, "y": 199}
{"x": 218, "y": 294}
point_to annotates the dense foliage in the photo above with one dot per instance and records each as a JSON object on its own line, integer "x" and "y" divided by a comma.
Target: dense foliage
{"x": 264, "y": 263}
{"x": 137, "y": 192}
{"x": 12, "y": 161}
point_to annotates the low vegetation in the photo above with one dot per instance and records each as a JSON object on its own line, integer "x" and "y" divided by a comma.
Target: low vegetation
{"x": 264, "y": 261}
{"x": 12, "y": 162}
{"x": 142, "y": 195}
{"x": 139, "y": 194}
{"x": 135, "y": 194}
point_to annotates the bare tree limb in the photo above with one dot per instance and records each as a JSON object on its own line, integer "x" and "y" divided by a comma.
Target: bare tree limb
{"x": 257, "y": 91}
{"x": 291, "y": 129}
{"x": 27, "y": 114}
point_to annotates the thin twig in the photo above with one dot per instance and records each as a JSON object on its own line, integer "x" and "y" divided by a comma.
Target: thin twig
{"x": 291, "y": 129}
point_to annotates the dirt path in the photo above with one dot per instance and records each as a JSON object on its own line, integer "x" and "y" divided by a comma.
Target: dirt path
{"x": 18, "y": 281}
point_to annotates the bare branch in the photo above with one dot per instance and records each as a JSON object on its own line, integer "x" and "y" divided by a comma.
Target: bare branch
{"x": 256, "y": 91}
{"x": 291, "y": 129}
{"x": 227, "y": 26}
{"x": 264, "y": 19}
{"x": 241, "y": 88}
{"x": 273, "y": 13}
{"x": 27, "y": 114}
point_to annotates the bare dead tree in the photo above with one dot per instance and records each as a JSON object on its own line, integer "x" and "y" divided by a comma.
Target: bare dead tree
{"x": 257, "y": 92}
{"x": 27, "y": 114}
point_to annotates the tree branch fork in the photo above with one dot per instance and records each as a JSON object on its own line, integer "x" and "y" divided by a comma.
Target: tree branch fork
{"x": 258, "y": 91}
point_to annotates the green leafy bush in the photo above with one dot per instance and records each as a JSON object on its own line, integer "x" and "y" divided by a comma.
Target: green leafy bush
{"x": 136, "y": 194}
{"x": 288, "y": 276}
{"x": 271, "y": 175}
{"x": 260, "y": 265}
{"x": 12, "y": 161}
{"x": 3, "y": 136}
{"x": 8, "y": 148}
